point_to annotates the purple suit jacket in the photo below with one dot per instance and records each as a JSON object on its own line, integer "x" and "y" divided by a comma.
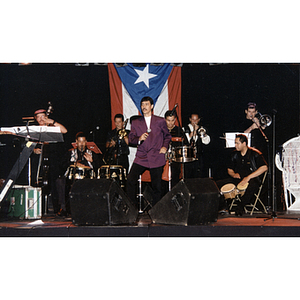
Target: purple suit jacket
{"x": 147, "y": 153}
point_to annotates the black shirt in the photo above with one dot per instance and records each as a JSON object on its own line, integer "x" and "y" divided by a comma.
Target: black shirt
{"x": 257, "y": 139}
{"x": 247, "y": 164}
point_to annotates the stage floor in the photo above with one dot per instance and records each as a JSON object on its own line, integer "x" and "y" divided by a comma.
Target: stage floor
{"x": 282, "y": 224}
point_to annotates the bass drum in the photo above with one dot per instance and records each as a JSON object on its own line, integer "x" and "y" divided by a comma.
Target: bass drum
{"x": 184, "y": 154}
{"x": 113, "y": 172}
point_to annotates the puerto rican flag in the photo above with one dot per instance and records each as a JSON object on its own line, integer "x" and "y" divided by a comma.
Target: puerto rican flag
{"x": 129, "y": 83}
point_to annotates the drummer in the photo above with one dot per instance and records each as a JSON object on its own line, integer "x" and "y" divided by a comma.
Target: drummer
{"x": 79, "y": 157}
{"x": 83, "y": 157}
{"x": 245, "y": 168}
{"x": 178, "y": 139}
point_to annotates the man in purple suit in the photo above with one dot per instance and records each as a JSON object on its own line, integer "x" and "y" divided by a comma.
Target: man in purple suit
{"x": 152, "y": 137}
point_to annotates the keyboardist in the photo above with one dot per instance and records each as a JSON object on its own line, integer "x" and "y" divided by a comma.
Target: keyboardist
{"x": 42, "y": 118}
{"x": 51, "y": 156}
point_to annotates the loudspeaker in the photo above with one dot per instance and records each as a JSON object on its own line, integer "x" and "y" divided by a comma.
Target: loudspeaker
{"x": 100, "y": 202}
{"x": 190, "y": 202}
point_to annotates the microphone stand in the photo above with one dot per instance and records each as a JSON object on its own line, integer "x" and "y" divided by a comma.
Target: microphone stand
{"x": 183, "y": 138}
{"x": 28, "y": 120}
{"x": 269, "y": 161}
{"x": 274, "y": 215}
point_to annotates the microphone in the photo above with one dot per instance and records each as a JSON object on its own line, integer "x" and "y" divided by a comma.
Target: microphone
{"x": 173, "y": 110}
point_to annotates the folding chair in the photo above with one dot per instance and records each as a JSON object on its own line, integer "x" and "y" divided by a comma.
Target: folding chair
{"x": 249, "y": 208}
{"x": 257, "y": 197}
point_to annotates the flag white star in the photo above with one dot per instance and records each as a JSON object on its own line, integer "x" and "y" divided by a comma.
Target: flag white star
{"x": 144, "y": 76}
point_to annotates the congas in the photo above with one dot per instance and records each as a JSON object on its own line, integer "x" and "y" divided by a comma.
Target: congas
{"x": 241, "y": 189}
{"x": 184, "y": 154}
{"x": 113, "y": 172}
{"x": 229, "y": 191}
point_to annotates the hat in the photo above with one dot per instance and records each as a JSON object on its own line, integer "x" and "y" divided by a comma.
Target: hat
{"x": 40, "y": 111}
{"x": 251, "y": 105}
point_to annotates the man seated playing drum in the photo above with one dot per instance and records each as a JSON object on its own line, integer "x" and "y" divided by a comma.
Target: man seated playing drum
{"x": 245, "y": 168}
{"x": 79, "y": 163}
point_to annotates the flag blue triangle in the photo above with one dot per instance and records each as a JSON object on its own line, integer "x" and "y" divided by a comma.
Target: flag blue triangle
{"x": 136, "y": 85}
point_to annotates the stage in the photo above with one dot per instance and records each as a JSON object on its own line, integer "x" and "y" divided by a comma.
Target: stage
{"x": 284, "y": 224}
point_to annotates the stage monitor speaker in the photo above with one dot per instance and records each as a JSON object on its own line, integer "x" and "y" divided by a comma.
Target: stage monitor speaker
{"x": 100, "y": 202}
{"x": 190, "y": 202}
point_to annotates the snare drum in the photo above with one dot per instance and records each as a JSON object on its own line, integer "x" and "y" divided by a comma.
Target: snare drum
{"x": 184, "y": 154}
{"x": 229, "y": 191}
{"x": 241, "y": 189}
{"x": 113, "y": 172}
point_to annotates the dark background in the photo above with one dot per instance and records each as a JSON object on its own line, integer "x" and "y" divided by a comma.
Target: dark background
{"x": 219, "y": 93}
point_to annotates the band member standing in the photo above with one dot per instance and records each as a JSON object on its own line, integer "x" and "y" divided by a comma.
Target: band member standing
{"x": 178, "y": 139}
{"x": 117, "y": 149}
{"x": 245, "y": 167}
{"x": 79, "y": 157}
{"x": 49, "y": 155}
{"x": 252, "y": 125}
{"x": 152, "y": 137}
{"x": 196, "y": 140}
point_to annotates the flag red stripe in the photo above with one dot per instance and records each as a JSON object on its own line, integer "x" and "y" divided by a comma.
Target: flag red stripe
{"x": 174, "y": 89}
{"x": 116, "y": 97}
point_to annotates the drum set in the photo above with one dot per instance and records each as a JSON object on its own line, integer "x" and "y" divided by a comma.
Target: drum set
{"x": 180, "y": 154}
{"x": 106, "y": 171}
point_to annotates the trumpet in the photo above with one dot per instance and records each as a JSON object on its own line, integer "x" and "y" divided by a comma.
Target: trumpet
{"x": 203, "y": 135}
{"x": 264, "y": 120}
{"x": 201, "y": 132}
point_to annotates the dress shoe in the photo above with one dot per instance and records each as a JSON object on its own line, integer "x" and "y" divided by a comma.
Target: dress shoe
{"x": 62, "y": 213}
{"x": 239, "y": 210}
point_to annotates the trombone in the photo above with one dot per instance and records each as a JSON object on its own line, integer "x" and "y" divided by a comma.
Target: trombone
{"x": 264, "y": 120}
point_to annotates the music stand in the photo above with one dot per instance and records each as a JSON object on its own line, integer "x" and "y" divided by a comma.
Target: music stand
{"x": 49, "y": 134}
{"x": 230, "y": 138}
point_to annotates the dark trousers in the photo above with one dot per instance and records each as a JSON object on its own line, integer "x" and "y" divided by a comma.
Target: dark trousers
{"x": 132, "y": 181}
{"x": 194, "y": 169}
